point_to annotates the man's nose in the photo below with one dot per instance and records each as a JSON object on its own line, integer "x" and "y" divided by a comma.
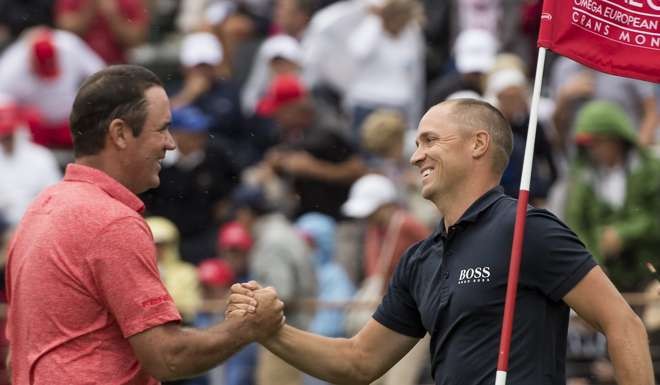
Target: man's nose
{"x": 417, "y": 156}
{"x": 170, "y": 144}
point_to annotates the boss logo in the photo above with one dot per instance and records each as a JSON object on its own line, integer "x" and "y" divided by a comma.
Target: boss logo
{"x": 474, "y": 275}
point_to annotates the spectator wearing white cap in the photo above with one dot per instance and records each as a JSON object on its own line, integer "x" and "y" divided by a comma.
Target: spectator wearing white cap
{"x": 201, "y": 55}
{"x": 474, "y": 56}
{"x": 374, "y": 197}
{"x": 390, "y": 230}
{"x": 279, "y": 54}
{"x": 25, "y": 168}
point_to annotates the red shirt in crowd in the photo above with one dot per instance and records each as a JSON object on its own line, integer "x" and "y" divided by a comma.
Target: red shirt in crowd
{"x": 81, "y": 278}
{"x": 410, "y": 232}
{"x": 99, "y": 35}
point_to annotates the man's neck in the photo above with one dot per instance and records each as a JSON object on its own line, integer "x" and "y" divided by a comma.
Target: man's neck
{"x": 454, "y": 204}
{"x": 100, "y": 162}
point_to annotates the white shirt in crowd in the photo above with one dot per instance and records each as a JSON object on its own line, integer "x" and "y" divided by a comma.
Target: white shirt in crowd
{"x": 388, "y": 70}
{"x": 53, "y": 98}
{"x": 24, "y": 173}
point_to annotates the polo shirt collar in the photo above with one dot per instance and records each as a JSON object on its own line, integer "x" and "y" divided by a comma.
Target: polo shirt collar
{"x": 80, "y": 173}
{"x": 472, "y": 213}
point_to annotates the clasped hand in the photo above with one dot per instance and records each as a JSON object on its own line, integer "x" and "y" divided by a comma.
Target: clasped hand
{"x": 259, "y": 306}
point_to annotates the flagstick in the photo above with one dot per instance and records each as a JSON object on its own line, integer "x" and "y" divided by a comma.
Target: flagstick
{"x": 519, "y": 228}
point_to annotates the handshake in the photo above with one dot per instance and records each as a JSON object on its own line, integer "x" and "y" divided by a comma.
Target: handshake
{"x": 260, "y": 309}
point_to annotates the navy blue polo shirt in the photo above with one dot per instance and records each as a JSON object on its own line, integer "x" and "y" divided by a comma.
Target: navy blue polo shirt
{"x": 452, "y": 285}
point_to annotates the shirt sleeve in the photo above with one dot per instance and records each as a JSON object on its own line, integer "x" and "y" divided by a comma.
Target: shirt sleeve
{"x": 122, "y": 261}
{"x": 398, "y": 311}
{"x": 554, "y": 258}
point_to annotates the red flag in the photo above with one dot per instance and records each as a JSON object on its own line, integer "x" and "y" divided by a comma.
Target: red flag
{"x": 620, "y": 37}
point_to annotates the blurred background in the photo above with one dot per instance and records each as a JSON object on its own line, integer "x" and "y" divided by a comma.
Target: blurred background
{"x": 294, "y": 122}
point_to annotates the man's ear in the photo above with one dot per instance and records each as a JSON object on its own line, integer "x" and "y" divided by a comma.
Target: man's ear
{"x": 118, "y": 132}
{"x": 480, "y": 143}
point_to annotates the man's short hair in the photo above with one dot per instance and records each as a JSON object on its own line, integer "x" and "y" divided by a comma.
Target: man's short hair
{"x": 476, "y": 114}
{"x": 116, "y": 92}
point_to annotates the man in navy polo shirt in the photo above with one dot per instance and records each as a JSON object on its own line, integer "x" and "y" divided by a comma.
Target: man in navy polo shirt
{"x": 452, "y": 284}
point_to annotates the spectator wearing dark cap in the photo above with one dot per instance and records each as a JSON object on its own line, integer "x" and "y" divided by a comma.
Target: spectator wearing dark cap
{"x": 314, "y": 156}
{"x": 279, "y": 258}
{"x": 43, "y": 69}
{"x": 25, "y": 168}
{"x": 196, "y": 181}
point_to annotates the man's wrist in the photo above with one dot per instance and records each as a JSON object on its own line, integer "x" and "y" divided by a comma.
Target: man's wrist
{"x": 273, "y": 339}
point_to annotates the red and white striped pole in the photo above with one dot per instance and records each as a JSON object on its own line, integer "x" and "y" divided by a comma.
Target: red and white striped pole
{"x": 519, "y": 228}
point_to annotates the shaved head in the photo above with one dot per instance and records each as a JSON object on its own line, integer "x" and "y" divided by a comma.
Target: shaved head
{"x": 472, "y": 115}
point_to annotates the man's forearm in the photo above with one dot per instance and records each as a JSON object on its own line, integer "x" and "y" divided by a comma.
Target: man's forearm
{"x": 629, "y": 351}
{"x": 331, "y": 359}
{"x": 196, "y": 351}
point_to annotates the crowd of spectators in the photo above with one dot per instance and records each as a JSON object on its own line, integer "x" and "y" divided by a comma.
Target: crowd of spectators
{"x": 294, "y": 122}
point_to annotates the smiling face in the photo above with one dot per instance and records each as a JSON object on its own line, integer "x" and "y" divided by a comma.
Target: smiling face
{"x": 443, "y": 154}
{"x": 142, "y": 154}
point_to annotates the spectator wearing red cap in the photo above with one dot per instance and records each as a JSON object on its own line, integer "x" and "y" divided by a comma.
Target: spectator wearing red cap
{"x": 277, "y": 55}
{"x": 25, "y": 168}
{"x": 234, "y": 244}
{"x": 110, "y": 27}
{"x": 313, "y": 153}
{"x": 216, "y": 276}
{"x": 44, "y": 69}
